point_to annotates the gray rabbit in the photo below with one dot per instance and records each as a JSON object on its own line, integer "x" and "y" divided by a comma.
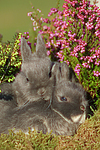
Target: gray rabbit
{"x": 51, "y": 98}
{"x": 62, "y": 114}
{"x": 34, "y": 80}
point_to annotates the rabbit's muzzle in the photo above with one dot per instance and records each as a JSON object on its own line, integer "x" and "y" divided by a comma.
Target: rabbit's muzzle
{"x": 41, "y": 91}
{"x": 80, "y": 117}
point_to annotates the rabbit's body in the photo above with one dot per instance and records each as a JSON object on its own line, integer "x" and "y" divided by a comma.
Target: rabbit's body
{"x": 62, "y": 114}
{"x": 35, "y": 115}
{"x": 61, "y": 117}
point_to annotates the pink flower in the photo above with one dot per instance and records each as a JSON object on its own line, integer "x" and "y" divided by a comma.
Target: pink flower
{"x": 60, "y": 55}
{"x": 52, "y": 10}
{"x": 97, "y": 63}
{"x": 48, "y": 53}
{"x": 96, "y": 73}
{"x": 45, "y": 27}
{"x": 66, "y": 13}
{"x": 86, "y": 65}
{"x": 97, "y": 33}
{"x": 67, "y": 62}
{"x": 29, "y": 14}
{"x": 92, "y": 17}
{"x": 39, "y": 10}
{"x": 89, "y": 25}
{"x": 77, "y": 69}
{"x": 48, "y": 44}
{"x": 82, "y": 58}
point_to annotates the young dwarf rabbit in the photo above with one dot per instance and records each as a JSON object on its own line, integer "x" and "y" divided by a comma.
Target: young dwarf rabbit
{"x": 62, "y": 114}
{"x": 34, "y": 80}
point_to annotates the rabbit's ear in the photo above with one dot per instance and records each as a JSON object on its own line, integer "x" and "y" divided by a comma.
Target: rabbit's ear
{"x": 65, "y": 72}
{"x": 61, "y": 71}
{"x": 40, "y": 47}
{"x": 56, "y": 71}
{"x": 25, "y": 50}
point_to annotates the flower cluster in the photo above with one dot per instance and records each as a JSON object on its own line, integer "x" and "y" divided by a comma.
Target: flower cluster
{"x": 96, "y": 73}
{"x": 77, "y": 69}
{"x": 74, "y": 29}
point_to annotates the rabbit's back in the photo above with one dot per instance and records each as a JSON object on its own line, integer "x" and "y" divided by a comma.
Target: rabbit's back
{"x": 39, "y": 116}
{"x": 23, "y": 117}
{"x": 62, "y": 115}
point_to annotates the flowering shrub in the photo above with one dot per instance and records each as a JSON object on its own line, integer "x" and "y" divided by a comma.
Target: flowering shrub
{"x": 73, "y": 35}
{"x": 10, "y": 57}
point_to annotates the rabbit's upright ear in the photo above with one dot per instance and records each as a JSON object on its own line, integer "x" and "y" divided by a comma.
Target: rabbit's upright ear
{"x": 65, "y": 72}
{"x": 56, "y": 71}
{"x": 25, "y": 50}
{"x": 61, "y": 71}
{"x": 40, "y": 47}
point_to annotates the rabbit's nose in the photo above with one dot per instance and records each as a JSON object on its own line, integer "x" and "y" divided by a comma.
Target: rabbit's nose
{"x": 82, "y": 107}
{"x": 41, "y": 91}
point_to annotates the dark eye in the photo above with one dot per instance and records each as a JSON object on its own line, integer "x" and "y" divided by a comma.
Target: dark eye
{"x": 63, "y": 99}
{"x": 27, "y": 79}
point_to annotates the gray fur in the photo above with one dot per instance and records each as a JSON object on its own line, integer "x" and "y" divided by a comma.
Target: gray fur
{"x": 63, "y": 114}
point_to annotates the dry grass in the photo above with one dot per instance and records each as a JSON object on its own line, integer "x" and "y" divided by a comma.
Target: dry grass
{"x": 87, "y": 137}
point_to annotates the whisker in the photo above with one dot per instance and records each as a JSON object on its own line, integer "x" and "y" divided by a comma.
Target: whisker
{"x": 49, "y": 104}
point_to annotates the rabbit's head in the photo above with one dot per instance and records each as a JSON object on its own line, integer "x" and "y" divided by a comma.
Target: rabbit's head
{"x": 69, "y": 97}
{"x": 34, "y": 81}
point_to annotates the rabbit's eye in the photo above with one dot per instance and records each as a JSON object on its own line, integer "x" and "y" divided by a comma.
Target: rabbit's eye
{"x": 63, "y": 99}
{"x": 27, "y": 79}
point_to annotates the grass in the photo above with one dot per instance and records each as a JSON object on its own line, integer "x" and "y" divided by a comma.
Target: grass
{"x": 87, "y": 138}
